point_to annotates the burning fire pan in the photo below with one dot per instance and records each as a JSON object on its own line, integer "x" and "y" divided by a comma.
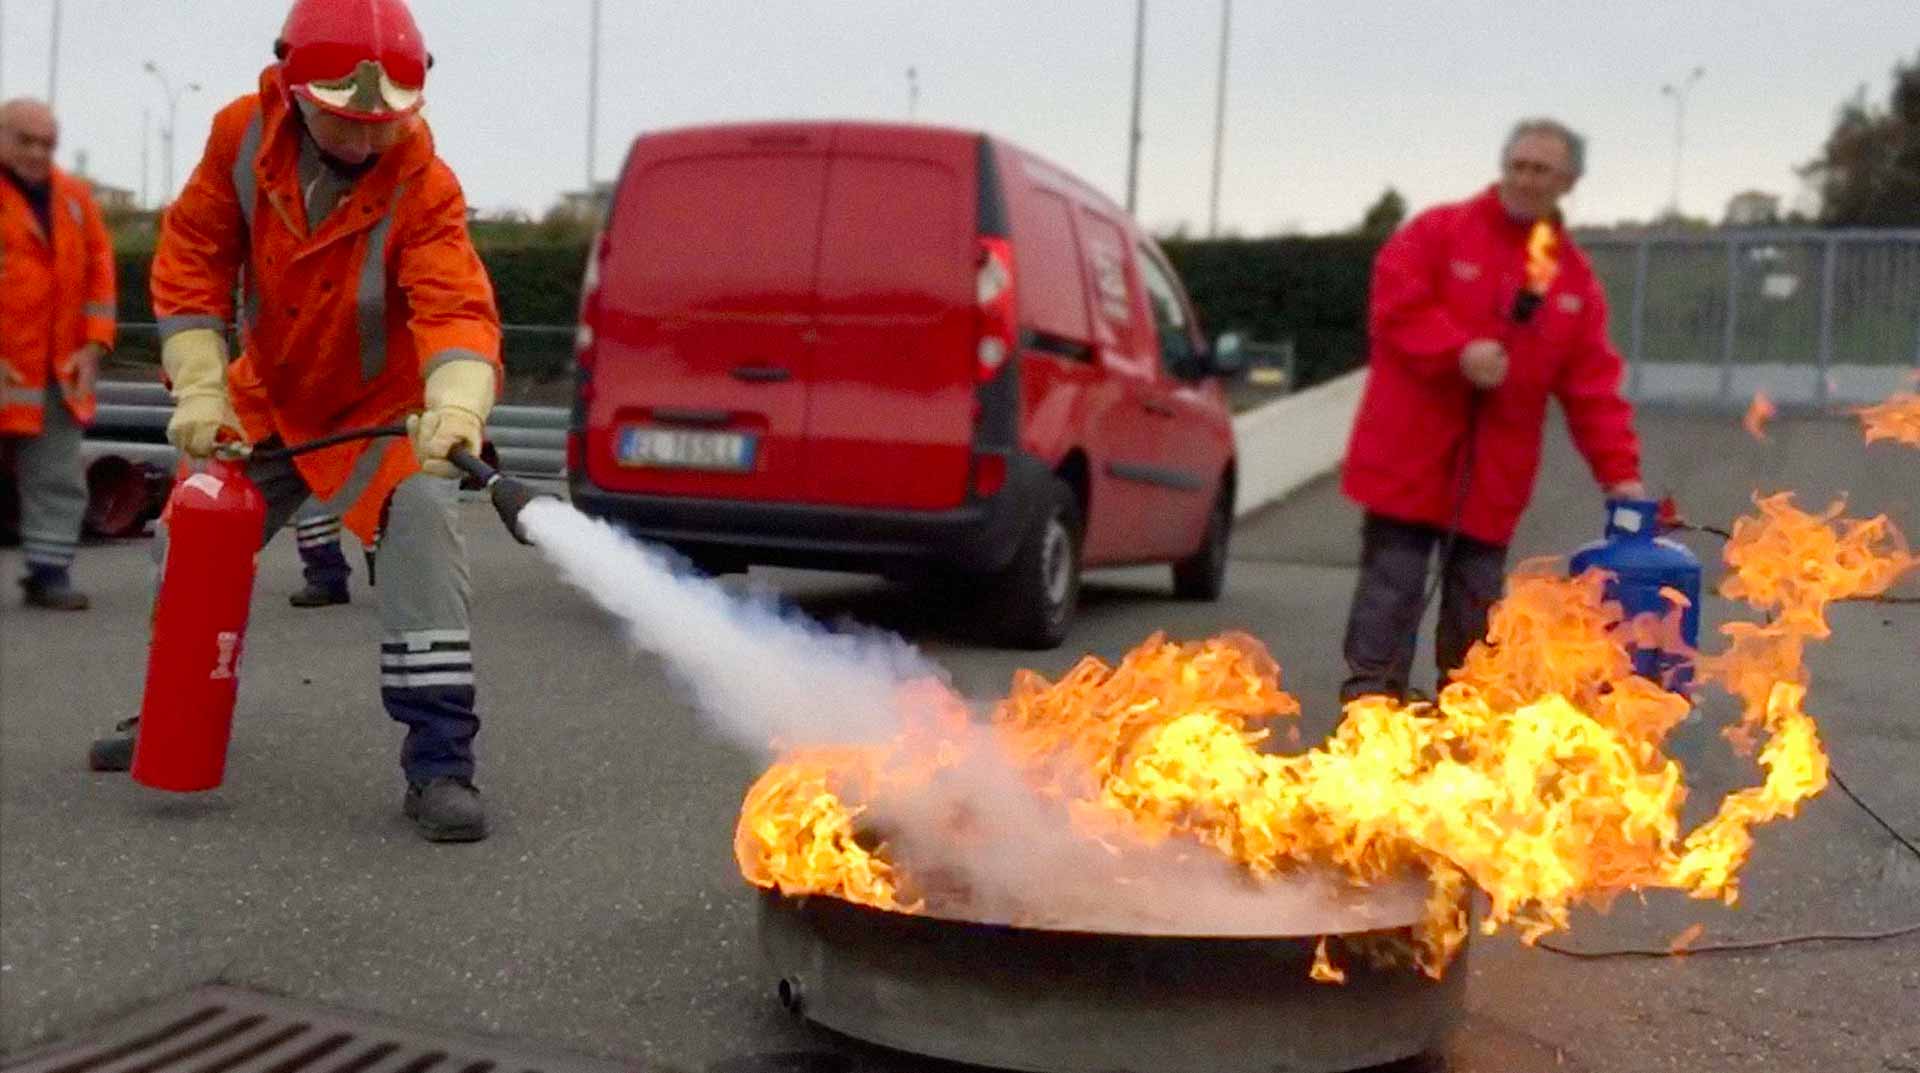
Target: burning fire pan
{"x": 1060, "y": 1001}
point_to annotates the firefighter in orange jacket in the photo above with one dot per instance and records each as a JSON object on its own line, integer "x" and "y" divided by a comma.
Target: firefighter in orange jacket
{"x": 320, "y": 198}
{"x": 56, "y": 323}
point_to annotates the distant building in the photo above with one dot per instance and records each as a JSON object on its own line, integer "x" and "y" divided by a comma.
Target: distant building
{"x": 114, "y": 200}
{"x": 1753, "y": 208}
{"x": 585, "y": 204}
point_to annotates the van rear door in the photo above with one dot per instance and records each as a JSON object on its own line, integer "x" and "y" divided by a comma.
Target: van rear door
{"x": 890, "y": 417}
{"x": 708, "y": 316}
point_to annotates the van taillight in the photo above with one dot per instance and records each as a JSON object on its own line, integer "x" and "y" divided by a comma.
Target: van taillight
{"x": 586, "y": 341}
{"x": 989, "y": 474}
{"x": 999, "y": 331}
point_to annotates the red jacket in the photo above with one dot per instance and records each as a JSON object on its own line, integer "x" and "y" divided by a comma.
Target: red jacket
{"x": 341, "y": 322}
{"x": 56, "y": 295}
{"x": 1447, "y": 278}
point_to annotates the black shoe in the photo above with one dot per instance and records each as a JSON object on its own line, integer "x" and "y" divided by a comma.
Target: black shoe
{"x": 320, "y": 596}
{"x": 446, "y": 809}
{"x": 114, "y": 752}
{"x": 54, "y": 595}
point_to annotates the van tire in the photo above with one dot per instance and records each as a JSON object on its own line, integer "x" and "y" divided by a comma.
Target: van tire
{"x": 1203, "y": 575}
{"x": 1030, "y": 604}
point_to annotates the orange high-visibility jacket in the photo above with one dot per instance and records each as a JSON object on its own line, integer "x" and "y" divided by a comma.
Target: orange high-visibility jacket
{"x": 55, "y": 297}
{"x": 341, "y": 324}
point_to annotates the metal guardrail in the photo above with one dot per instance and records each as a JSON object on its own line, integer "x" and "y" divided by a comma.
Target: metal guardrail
{"x": 132, "y": 423}
{"x": 1809, "y": 316}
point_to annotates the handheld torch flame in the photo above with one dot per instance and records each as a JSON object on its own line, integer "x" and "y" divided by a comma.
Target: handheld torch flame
{"x": 1543, "y": 257}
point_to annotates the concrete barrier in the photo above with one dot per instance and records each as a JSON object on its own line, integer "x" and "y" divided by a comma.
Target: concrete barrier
{"x": 1291, "y": 441}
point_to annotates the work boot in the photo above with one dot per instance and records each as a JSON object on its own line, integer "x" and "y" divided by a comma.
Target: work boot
{"x": 115, "y": 751}
{"x": 53, "y": 592}
{"x": 446, "y": 809}
{"x": 317, "y": 595}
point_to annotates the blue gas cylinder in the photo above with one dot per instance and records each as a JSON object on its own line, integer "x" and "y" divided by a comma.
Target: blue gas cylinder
{"x": 1640, "y": 563}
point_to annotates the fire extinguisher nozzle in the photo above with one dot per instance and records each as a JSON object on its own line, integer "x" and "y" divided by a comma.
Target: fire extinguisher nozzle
{"x": 510, "y": 497}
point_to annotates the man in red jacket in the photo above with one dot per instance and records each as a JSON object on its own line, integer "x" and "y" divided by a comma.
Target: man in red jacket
{"x": 1469, "y": 341}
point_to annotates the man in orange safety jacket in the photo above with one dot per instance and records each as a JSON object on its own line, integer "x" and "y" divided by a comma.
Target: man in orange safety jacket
{"x": 56, "y": 323}
{"x": 320, "y": 200}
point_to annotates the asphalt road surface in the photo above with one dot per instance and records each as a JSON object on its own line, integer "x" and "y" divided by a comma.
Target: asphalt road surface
{"x": 605, "y": 915}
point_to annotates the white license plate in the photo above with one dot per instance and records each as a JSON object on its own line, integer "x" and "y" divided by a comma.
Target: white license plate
{"x": 673, "y": 448}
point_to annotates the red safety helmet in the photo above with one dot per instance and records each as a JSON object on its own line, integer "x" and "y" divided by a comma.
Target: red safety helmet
{"x": 357, "y": 59}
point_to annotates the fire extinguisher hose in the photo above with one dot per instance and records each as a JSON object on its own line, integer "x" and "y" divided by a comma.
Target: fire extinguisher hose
{"x": 509, "y": 496}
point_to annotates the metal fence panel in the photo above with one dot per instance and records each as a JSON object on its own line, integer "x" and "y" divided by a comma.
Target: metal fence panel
{"x": 1808, "y": 316}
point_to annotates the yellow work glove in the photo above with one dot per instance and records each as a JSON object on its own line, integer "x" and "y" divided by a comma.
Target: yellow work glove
{"x": 459, "y": 398}
{"x": 196, "y": 362}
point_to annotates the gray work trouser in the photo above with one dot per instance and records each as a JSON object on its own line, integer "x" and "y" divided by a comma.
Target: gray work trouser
{"x": 1384, "y": 623}
{"x": 426, "y": 651}
{"x": 53, "y": 488}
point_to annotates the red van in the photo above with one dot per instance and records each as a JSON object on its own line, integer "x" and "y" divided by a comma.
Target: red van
{"x": 898, "y": 349}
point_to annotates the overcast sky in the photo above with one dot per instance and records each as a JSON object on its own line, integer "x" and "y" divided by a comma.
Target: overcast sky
{"x": 1330, "y": 101}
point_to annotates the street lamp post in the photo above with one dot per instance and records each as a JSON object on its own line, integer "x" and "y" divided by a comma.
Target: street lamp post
{"x": 593, "y": 95}
{"x": 1679, "y": 91}
{"x": 53, "y": 58}
{"x": 913, "y": 92}
{"x": 1133, "y": 131}
{"x": 167, "y": 132}
{"x": 1220, "y": 117}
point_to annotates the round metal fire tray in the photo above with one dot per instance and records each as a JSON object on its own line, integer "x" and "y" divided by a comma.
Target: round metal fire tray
{"x": 1062, "y": 1001}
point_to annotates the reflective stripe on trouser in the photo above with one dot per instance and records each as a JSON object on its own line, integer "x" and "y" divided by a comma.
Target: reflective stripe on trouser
{"x": 53, "y": 488}
{"x": 317, "y": 531}
{"x": 425, "y": 594}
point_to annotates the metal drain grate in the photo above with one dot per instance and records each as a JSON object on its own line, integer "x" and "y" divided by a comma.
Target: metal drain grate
{"x": 225, "y": 1030}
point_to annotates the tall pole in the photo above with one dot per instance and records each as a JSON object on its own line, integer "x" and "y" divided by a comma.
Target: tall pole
{"x": 53, "y": 58}
{"x": 593, "y": 95}
{"x": 913, "y": 92}
{"x": 146, "y": 141}
{"x": 1133, "y": 131}
{"x": 173, "y": 123}
{"x": 1220, "y": 117}
{"x": 1679, "y": 94}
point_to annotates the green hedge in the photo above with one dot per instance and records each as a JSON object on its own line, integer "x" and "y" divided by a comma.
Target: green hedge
{"x": 1310, "y": 290}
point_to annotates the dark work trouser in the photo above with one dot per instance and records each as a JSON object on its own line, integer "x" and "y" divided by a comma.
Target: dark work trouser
{"x": 1383, "y": 627}
{"x": 322, "y": 563}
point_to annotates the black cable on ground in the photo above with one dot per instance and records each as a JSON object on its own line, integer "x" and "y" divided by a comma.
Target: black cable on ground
{"x": 1753, "y": 946}
{"x": 1868, "y": 809}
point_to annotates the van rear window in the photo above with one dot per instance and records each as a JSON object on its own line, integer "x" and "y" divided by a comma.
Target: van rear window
{"x": 710, "y": 232}
{"x": 895, "y": 239}
{"x": 1053, "y": 291}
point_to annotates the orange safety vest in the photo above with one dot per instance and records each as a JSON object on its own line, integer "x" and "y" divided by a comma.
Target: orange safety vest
{"x": 340, "y": 324}
{"x": 55, "y": 297}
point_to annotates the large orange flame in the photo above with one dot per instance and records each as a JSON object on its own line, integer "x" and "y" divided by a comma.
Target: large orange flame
{"x": 1538, "y": 777}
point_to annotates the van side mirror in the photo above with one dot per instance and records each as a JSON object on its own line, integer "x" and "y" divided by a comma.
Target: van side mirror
{"x": 1229, "y": 357}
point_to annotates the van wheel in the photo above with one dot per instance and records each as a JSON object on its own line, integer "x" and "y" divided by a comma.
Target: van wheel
{"x": 1030, "y": 604}
{"x": 1203, "y": 575}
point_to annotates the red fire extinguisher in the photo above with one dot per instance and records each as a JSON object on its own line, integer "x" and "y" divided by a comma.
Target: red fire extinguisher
{"x": 214, "y": 520}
